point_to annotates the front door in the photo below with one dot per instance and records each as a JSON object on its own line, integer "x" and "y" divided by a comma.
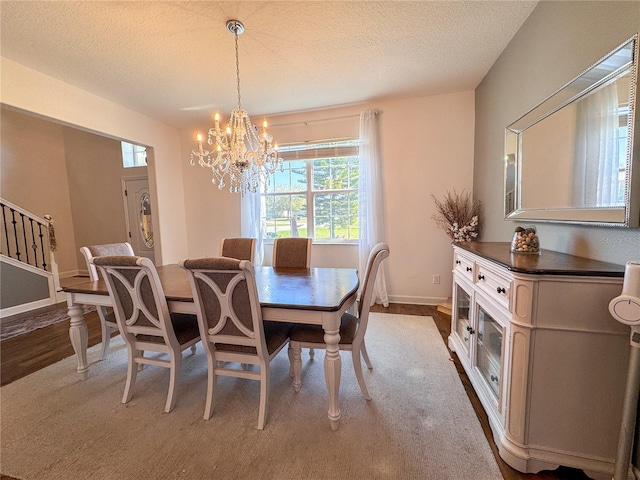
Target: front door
{"x": 139, "y": 215}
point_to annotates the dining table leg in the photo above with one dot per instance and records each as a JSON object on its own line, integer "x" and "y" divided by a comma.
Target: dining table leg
{"x": 79, "y": 336}
{"x": 332, "y": 368}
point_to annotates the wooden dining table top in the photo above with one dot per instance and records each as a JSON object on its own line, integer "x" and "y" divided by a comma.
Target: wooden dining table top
{"x": 323, "y": 289}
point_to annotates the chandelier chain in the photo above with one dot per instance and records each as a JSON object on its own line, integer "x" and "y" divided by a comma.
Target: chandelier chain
{"x": 235, "y": 33}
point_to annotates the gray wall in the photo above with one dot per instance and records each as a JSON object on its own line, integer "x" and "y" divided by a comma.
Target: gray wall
{"x": 556, "y": 43}
{"x": 19, "y": 286}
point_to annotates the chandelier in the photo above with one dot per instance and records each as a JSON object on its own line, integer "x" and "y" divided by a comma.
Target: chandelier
{"x": 240, "y": 154}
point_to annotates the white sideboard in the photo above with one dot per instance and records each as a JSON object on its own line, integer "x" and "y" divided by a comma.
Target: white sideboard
{"x": 547, "y": 361}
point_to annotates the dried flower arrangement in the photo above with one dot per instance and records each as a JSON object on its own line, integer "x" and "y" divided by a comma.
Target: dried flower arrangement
{"x": 458, "y": 215}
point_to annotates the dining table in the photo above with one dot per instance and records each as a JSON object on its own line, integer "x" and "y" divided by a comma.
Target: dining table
{"x": 296, "y": 295}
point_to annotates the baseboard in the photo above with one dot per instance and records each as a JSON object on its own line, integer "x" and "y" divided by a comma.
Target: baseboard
{"x": 445, "y": 307}
{"x": 74, "y": 273}
{"x": 416, "y": 300}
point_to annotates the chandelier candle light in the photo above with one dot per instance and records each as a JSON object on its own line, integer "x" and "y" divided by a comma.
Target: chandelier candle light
{"x": 240, "y": 153}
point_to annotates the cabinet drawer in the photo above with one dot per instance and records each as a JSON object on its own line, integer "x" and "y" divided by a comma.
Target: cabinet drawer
{"x": 464, "y": 266}
{"x": 496, "y": 286}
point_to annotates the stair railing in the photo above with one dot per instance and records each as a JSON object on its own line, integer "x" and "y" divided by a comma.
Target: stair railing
{"x": 28, "y": 238}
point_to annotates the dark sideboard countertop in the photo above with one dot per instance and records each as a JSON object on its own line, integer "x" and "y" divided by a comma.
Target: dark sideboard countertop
{"x": 547, "y": 262}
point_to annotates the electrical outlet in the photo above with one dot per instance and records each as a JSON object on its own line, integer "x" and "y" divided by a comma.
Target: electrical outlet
{"x": 436, "y": 279}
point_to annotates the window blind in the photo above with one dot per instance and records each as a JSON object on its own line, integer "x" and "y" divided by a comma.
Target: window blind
{"x": 320, "y": 149}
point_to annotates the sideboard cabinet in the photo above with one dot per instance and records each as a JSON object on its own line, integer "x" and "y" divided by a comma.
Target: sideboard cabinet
{"x": 546, "y": 359}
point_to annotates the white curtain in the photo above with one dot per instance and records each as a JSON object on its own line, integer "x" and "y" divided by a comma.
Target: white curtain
{"x": 370, "y": 198}
{"x": 251, "y": 224}
{"x": 596, "y": 163}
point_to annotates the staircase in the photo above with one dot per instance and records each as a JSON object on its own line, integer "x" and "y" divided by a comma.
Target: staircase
{"x": 29, "y": 276}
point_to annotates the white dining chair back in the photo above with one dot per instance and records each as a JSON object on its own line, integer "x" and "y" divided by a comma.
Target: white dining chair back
{"x": 104, "y": 250}
{"x": 352, "y": 328}
{"x": 108, "y": 322}
{"x": 231, "y": 326}
{"x": 144, "y": 320}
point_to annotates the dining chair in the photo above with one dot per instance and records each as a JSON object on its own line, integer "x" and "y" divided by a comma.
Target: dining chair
{"x": 107, "y": 317}
{"x": 231, "y": 326}
{"x": 239, "y": 248}
{"x": 144, "y": 320}
{"x": 292, "y": 252}
{"x": 352, "y": 328}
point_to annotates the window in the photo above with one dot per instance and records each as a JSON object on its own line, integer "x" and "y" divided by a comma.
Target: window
{"x": 133, "y": 155}
{"x": 622, "y": 153}
{"x": 316, "y": 194}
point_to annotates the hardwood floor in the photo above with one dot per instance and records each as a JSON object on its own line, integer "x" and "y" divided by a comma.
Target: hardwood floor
{"x": 28, "y": 353}
{"x": 25, "y": 354}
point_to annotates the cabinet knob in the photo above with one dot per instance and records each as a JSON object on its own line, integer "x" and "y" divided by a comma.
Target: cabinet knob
{"x": 494, "y": 378}
{"x": 480, "y": 277}
{"x": 470, "y": 330}
{"x": 458, "y": 262}
{"x": 501, "y": 290}
{"x": 469, "y": 269}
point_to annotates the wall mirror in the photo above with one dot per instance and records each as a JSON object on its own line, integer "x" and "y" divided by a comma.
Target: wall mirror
{"x": 574, "y": 158}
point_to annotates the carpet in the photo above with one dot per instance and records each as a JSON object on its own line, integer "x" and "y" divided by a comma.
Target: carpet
{"x": 28, "y": 322}
{"x": 419, "y": 425}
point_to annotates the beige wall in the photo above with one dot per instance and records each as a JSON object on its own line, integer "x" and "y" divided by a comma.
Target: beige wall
{"x": 557, "y": 42}
{"x": 427, "y": 147}
{"x": 71, "y": 174}
{"x": 34, "y": 176}
{"x": 95, "y": 172}
{"x": 32, "y": 91}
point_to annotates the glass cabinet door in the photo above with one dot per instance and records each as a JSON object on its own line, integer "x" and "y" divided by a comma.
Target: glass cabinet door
{"x": 489, "y": 349}
{"x": 463, "y": 323}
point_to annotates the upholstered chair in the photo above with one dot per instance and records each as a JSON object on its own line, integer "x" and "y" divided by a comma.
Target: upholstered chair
{"x": 231, "y": 326}
{"x": 106, "y": 315}
{"x": 291, "y": 253}
{"x": 352, "y": 328}
{"x": 239, "y": 248}
{"x": 144, "y": 320}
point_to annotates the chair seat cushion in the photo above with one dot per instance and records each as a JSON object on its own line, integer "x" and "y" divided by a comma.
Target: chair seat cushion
{"x": 275, "y": 335}
{"x": 315, "y": 333}
{"x": 185, "y": 327}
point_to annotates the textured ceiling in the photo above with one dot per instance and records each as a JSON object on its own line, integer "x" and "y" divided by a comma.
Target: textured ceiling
{"x": 175, "y": 61}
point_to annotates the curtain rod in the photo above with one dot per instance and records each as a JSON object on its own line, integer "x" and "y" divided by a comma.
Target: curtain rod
{"x": 305, "y": 122}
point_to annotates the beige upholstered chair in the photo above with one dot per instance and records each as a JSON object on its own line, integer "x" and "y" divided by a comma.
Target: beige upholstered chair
{"x": 239, "y": 248}
{"x": 106, "y": 315}
{"x": 231, "y": 326}
{"x": 144, "y": 320}
{"x": 352, "y": 329}
{"x": 292, "y": 252}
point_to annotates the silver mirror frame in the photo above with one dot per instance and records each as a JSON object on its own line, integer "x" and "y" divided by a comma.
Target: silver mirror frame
{"x": 626, "y": 216}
